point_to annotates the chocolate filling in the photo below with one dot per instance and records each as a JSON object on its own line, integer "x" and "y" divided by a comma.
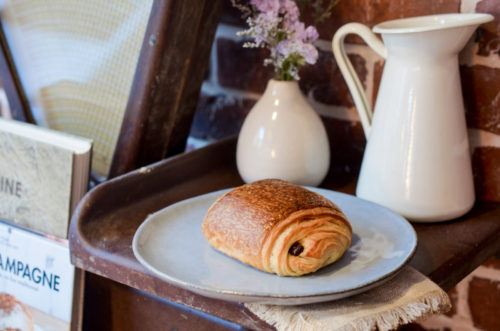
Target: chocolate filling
{"x": 296, "y": 249}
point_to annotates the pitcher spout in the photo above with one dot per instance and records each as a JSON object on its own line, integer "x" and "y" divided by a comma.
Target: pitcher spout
{"x": 432, "y": 23}
{"x": 444, "y": 34}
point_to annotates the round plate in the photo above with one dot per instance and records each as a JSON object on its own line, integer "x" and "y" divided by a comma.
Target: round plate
{"x": 170, "y": 244}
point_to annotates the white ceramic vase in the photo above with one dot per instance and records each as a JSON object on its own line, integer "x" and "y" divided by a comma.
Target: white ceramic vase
{"x": 283, "y": 137}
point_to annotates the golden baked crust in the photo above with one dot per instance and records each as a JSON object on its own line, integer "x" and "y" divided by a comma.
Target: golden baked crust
{"x": 278, "y": 227}
{"x": 13, "y": 314}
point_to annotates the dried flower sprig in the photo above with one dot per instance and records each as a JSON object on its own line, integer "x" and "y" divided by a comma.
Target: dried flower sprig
{"x": 276, "y": 25}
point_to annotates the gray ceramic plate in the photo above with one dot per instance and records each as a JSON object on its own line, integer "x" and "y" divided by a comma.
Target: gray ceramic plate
{"x": 170, "y": 244}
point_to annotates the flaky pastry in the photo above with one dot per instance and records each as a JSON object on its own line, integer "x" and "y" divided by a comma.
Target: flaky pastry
{"x": 278, "y": 227}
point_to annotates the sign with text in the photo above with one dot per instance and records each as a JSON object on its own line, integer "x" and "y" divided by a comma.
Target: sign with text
{"x": 37, "y": 271}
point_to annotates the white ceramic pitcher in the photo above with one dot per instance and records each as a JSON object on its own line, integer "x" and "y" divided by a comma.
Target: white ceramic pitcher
{"x": 417, "y": 158}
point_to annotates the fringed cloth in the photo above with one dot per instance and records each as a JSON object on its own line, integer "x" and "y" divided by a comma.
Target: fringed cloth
{"x": 406, "y": 298}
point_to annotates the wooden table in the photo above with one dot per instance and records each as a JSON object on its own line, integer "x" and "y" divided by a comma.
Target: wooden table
{"x": 122, "y": 295}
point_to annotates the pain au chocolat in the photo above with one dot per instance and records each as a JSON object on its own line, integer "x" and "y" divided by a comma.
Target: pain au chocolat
{"x": 278, "y": 227}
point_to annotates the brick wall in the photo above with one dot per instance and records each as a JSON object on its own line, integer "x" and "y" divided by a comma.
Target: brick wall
{"x": 237, "y": 78}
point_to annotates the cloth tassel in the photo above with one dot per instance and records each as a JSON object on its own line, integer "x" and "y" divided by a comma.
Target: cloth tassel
{"x": 406, "y": 298}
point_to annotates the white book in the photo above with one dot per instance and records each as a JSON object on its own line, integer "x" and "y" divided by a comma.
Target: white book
{"x": 43, "y": 175}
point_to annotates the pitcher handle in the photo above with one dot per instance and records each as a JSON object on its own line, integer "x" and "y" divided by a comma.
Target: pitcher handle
{"x": 347, "y": 70}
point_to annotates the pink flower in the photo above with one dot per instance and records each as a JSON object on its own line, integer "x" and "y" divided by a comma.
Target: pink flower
{"x": 290, "y": 9}
{"x": 276, "y": 25}
{"x": 310, "y": 53}
{"x": 295, "y": 46}
{"x": 266, "y": 5}
{"x": 311, "y": 34}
